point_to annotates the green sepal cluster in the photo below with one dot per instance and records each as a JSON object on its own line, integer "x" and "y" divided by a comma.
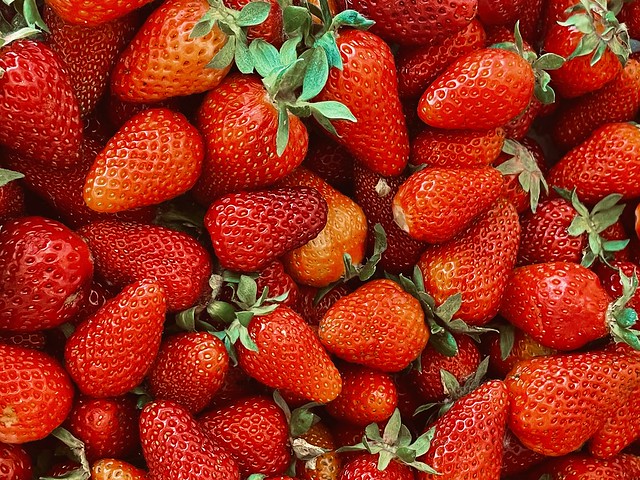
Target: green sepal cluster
{"x": 75, "y": 450}
{"x": 26, "y": 23}
{"x": 620, "y": 318}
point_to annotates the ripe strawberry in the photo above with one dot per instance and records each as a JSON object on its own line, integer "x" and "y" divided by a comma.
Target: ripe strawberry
{"x": 474, "y": 452}
{"x": 89, "y": 53}
{"x": 129, "y": 252}
{"x": 523, "y": 348}
{"x": 500, "y": 12}
{"x": 271, "y": 30}
{"x": 275, "y": 222}
{"x": 365, "y": 466}
{"x": 15, "y": 463}
{"x": 326, "y": 466}
{"x": 436, "y": 204}
{"x": 189, "y": 454}
{"x": 580, "y": 466}
{"x": 457, "y": 148}
{"x": 34, "y": 340}
{"x": 236, "y": 385}
{"x": 607, "y": 162}
{"x": 517, "y": 458}
{"x": 331, "y": 162}
{"x": 369, "y": 69}
{"x": 111, "y": 352}
{"x": 119, "y": 111}
{"x": 36, "y": 90}
{"x": 313, "y": 311}
{"x": 108, "y": 427}
{"x": 555, "y": 418}
{"x": 12, "y": 203}
{"x": 91, "y": 13}
{"x": 112, "y": 469}
{"x": 610, "y": 279}
{"x": 36, "y": 394}
{"x": 254, "y": 431}
{"x": 155, "y": 156}
{"x": 164, "y": 44}
{"x": 519, "y": 127}
{"x": 244, "y": 160}
{"x": 189, "y": 369}
{"x": 630, "y": 16}
{"x": 47, "y": 270}
{"x": 476, "y": 263}
{"x": 379, "y": 326}
{"x": 421, "y": 65}
{"x": 289, "y": 356}
{"x": 278, "y": 282}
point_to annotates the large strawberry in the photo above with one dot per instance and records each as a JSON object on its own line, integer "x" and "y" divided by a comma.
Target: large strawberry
{"x": 111, "y": 352}
{"x": 46, "y": 271}
{"x": 174, "y": 446}
{"x": 36, "y": 394}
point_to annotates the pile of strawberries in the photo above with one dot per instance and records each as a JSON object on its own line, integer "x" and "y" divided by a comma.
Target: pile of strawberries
{"x": 306, "y": 240}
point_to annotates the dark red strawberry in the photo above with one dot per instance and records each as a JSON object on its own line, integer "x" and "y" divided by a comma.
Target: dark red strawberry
{"x": 365, "y": 465}
{"x": 15, "y": 463}
{"x": 313, "y": 311}
{"x": 11, "y": 196}
{"x": 500, "y": 12}
{"x": 331, "y": 162}
{"x": 236, "y": 385}
{"x": 517, "y": 458}
{"x": 630, "y": 15}
{"x": 35, "y": 340}
{"x": 581, "y": 466}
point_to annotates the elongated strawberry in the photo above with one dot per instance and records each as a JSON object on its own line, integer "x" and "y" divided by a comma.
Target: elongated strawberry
{"x": 254, "y": 431}
{"x": 435, "y": 204}
{"x": 127, "y": 252}
{"x": 113, "y": 469}
{"x": 555, "y": 418}
{"x": 277, "y": 221}
{"x": 15, "y": 463}
{"x": 36, "y": 394}
{"x": 155, "y": 156}
{"x": 46, "y": 271}
{"x": 111, "y": 352}
{"x": 189, "y": 455}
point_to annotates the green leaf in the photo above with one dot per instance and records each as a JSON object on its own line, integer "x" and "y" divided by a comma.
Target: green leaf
{"x": 247, "y": 341}
{"x": 203, "y": 27}
{"x": 186, "y": 319}
{"x": 76, "y": 447}
{"x": 225, "y": 56}
{"x": 253, "y": 13}
{"x": 302, "y": 419}
{"x": 25, "y": 32}
{"x": 507, "y": 340}
{"x": 444, "y": 343}
{"x": 606, "y": 203}
{"x": 351, "y": 18}
{"x": 392, "y": 430}
{"x": 384, "y": 459}
{"x": 316, "y": 75}
{"x": 333, "y": 110}
{"x": 244, "y": 60}
{"x": 372, "y": 431}
{"x": 423, "y": 442}
{"x": 328, "y": 43}
{"x": 406, "y": 455}
{"x": 266, "y": 57}
{"x": 244, "y": 318}
{"x": 296, "y": 20}
{"x": 282, "y": 137}
{"x": 449, "y": 382}
{"x": 549, "y": 61}
{"x": 449, "y": 307}
{"x": 578, "y": 226}
{"x": 288, "y": 51}
{"x": 247, "y": 290}
{"x": 32, "y": 15}
{"x": 7, "y": 176}
{"x": 615, "y": 245}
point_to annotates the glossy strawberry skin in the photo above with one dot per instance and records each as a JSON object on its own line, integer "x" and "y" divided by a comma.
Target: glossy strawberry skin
{"x": 36, "y": 394}
{"x": 112, "y": 469}
{"x": 274, "y": 221}
{"x": 47, "y": 270}
{"x": 36, "y": 90}
{"x": 254, "y": 431}
{"x": 454, "y": 100}
{"x": 232, "y": 163}
{"x": 369, "y": 73}
{"x": 581, "y": 466}
{"x": 365, "y": 465}
{"x": 126, "y": 252}
{"x": 189, "y": 369}
{"x": 279, "y": 282}
{"x": 189, "y": 455}
{"x": 87, "y": 12}
{"x": 15, "y": 463}
{"x": 111, "y": 352}
{"x": 501, "y": 12}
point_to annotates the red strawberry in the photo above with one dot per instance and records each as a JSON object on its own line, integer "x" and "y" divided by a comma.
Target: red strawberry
{"x": 86, "y": 12}
{"x": 15, "y": 463}
{"x": 47, "y": 270}
{"x": 580, "y": 466}
{"x": 128, "y": 252}
{"x": 155, "y": 156}
{"x": 278, "y": 282}
{"x": 36, "y": 90}
{"x": 500, "y": 12}
{"x": 519, "y": 127}
{"x": 523, "y": 348}
{"x": 189, "y": 369}
{"x": 326, "y": 466}
{"x": 610, "y": 279}
{"x": 254, "y": 431}
{"x": 34, "y": 340}
{"x": 369, "y": 69}
{"x": 244, "y": 159}
{"x": 379, "y": 325}
{"x": 11, "y": 197}
{"x": 476, "y": 264}
{"x": 174, "y": 446}
{"x": 271, "y": 30}
{"x": 436, "y": 204}
{"x": 365, "y": 466}
{"x": 112, "y": 469}
{"x": 119, "y": 111}
{"x": 531, "y": 20}
{"x": 313, "y": 311}
{"x": 331, "y": 162}
{"x": 517, "y": 458}
{"x": 630, "y": 15}
{"x": 164, "y": 44}
{"x": 236, "y": 385}
{"x": 251, "y": 229}
{"x": 111, "y": 352}
{"x": 36, "y": 394}
{"x": 108, "y": 427}
{"x": 555, "y": 418}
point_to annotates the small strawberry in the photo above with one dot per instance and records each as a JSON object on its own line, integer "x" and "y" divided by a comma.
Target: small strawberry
{"x": 36, "y": 394}
{"x": 11, "y": 196}
{"x": 113, "y": 469}
{"x": 111, "y": 352}
{"x": 326, "y": 466}
{"x": 189, "y": 454}
{"x": 15, "y": 463}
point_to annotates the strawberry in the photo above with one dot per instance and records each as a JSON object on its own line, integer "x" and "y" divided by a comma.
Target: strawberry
{"x": 435, "y": 204}
{"x": 36, "y": 90}
{"x": 607, "y": 162}
{"x": 517, "y": 458}
{"x": 111, "y": 351}
{"x": 155, "y": 156}
{"x": 313, "y": 311}
{"x": 47, "y": 270}
{"x": 555, "y": 418}
{"x": 164, "y": 44}
{"x": 128, "y": 252}
{"x": 326, "y": 466}
{"x": 476, "y": 263}
{"x": 369, "y": 69}
{"x": 112, "y": 469}
{"x": 254, "y": 431}
{"x": 379, "y": 326}
{"x": 457, "y": 148}
{"x": 244, "y": 160}
{"x": 89, "y": 53}
{"x": 518, "y": 127}
{"x": 367, "y": 396}
{"x": 189, "y": 369}
{"x": 420, "y": 65}
{"x": 610, "y": 279}
{"x": 190, "y": 454}
{"x": 15, "y": 463}
{"x": 271, "y": 30}
{"x": 531, "y": 20}
{"x": 119, "y": 111}
{"x": 581, "y": 466}
{"x": 505, "y": 354}
{"x": 36, "y": 394}
{"x": 500, "y": 12}
{"x": 474, "y": 452}
{"x": 84, "y": 12}
{"x": 108, "y": 427}
{"x": 275, "y": 221}
{"x": 630, "y": 16}
{"x": 236, "y": 385}
{"x": 11, "y": 196}
{"x": 365, "y": 466}
{"x": 279, "y": 282}
{"x": 331, "y": 162}
{"x": 34, "y": 340}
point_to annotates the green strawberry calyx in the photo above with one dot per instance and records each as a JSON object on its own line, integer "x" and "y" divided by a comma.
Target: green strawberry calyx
{"x": 601, "y": 30}
{"x": 621, "y": 318}
{"x": 523, "y": 164}
{"x": 75, "y": 450}
{"x": 26, "y": 23}
{"x": 395, "y": 443}
{"x": 8, "y": 176}
{"x": 592, "y": 223}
